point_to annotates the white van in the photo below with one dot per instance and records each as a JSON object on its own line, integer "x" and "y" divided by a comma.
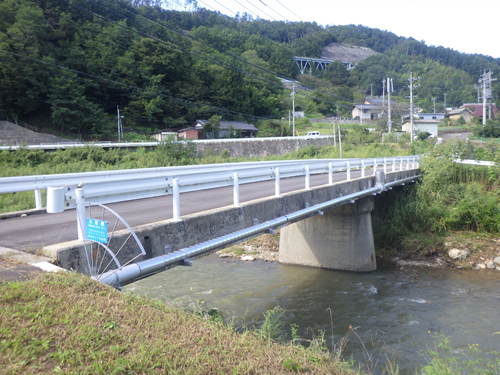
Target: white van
{"x": 311, "y": 135}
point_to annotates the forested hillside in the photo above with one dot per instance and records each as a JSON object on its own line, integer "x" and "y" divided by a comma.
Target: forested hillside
{"x": 68, "y": 64}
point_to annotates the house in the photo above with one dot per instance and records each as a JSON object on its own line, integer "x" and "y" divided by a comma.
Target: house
{"x": 378, "y": 101}
{"x": 165, "y": 134}
{"x": 366, "y": 111}
{"x": 477, "y": 109}
{"x": 227, "y": 128}
{"x": 456, "y": 114}
{"x": 188, "y": 133}
{"x": 431, "y": 116}
{"x": 430, "y": 126}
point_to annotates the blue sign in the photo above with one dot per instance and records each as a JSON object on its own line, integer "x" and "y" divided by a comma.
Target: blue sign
{"x": 97, "y": 230}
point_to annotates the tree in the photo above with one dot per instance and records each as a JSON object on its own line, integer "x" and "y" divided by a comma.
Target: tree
{"x": 70, "y": 109}
{"x": 212, "y": 127}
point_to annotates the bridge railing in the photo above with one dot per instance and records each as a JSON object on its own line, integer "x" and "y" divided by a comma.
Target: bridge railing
{"x": 122, "y": 185}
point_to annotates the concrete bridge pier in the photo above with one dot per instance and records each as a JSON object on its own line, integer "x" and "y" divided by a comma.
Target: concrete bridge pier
{"x": 340, "y": 239}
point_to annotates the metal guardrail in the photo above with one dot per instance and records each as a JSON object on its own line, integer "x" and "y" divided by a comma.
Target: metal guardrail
{"x": 72, "y": 190}
{"x": 65, "y": 145}
{"x": 474, "y": 162}
{"x": 122, "y": 185}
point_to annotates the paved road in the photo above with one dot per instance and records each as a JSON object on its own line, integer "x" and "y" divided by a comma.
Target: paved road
{"x": 456, "y": 136}
{"x": 35, "y": 231}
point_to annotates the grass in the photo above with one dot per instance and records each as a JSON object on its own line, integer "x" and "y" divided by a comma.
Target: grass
{"x": 67, "y": 323}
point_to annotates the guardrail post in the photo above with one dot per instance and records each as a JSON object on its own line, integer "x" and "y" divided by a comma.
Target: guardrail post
{"x": 81, "y": 217}
{"x": 330, "y": 173}
{"x": 393, "y": 164}
{"x": 308, "y": 182}
{"x": 400, "y": 164}
{"x": 38, "y": 199}
{"x": 374, "y": 166}
{"x": 348, "y": 170}
{"x": 385, "y": 165}
{"x": 236, "y": 190}
{"x": 362, "y": 168}
{"x": 277, "y": 182}
{"x": 176, "y": 201}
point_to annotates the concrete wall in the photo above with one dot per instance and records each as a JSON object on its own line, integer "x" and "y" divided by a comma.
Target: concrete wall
{"x": 170, "y": 235}
{"x": 259, "y": 149}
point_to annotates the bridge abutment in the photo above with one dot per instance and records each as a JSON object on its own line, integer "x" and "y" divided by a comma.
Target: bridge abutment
{"x": 340, "y": 239}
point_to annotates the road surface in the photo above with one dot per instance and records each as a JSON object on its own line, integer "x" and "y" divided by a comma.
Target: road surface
{"x": 35, "y": 231}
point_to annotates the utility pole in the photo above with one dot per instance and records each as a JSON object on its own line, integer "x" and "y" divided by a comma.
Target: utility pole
{"x": 486, "y": 81}
{"x": 444, "y": 104}
{"x": 334, "y": 140}
{"x": 340, "y": 142}
{"x": 390, "y": 88}
{"x": 434, "y": 100}
{"x": 412, "y": 86}
{"x": 293, "y": 107}
{"x": 120, "y": 130}
{"x": 383, "y": 93}
{"x": 371, "y": 90}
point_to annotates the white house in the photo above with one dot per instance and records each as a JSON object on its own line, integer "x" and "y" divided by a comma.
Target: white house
{"x": 431, "y": 116}
{"x": 430, "y": 126}
{"x": 366, "y": 111}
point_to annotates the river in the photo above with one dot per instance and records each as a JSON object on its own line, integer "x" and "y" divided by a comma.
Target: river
{"x": 395, "y": 313}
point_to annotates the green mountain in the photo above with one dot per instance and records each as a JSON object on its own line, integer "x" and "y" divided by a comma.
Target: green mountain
{"x": 68, "y": 65}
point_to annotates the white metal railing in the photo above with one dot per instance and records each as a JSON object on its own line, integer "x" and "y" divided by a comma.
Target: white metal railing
{"x": 65, "y": 145}
{"x": 474, "y": 162}
{"x": 123, "y": 185}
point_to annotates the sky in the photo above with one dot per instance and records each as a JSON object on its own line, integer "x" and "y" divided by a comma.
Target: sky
{"x": 463, "y": 25}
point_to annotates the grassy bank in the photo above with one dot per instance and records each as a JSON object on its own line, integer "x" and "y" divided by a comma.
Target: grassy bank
{"x": 66, "y": 323}
{"x": 451, "y": 198}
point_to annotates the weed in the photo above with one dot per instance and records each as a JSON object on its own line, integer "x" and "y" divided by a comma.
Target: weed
{"x": 85, "y": 327}
{"x": 444, "y": 360}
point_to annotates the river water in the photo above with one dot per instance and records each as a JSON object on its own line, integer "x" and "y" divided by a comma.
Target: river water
{"x": 396, "y": 312}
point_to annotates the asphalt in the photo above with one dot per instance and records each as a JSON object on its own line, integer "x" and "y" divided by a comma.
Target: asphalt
{"x": 18, "y": 265}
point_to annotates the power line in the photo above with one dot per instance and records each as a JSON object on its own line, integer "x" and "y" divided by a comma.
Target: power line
{"x": 260, "y": 10}
{"x": 284, "y": 18}
{"x": 134, "y": 11}
{"x": 247, "y": 8}
{"x": 184, "y": 101}
{"x": 290, "y": 11}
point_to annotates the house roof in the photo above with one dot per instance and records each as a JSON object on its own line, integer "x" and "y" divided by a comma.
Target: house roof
{"x": 379, "y": 101}
{"x": 423, "y": 122}
{"x": 368, "y": 106}
{"x": 167, "y": 130}
{"x": 458, "y": 111}
{"x": 186, "y": 129}
{"x": 225, "y": 125}
{"x": 477, "y": 109}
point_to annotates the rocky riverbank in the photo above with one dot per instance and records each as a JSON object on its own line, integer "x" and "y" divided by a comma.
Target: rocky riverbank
{"x": 459, "y": 250}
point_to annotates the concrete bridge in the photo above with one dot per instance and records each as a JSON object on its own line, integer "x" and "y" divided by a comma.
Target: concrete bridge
{"x": 325, "y": 222}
